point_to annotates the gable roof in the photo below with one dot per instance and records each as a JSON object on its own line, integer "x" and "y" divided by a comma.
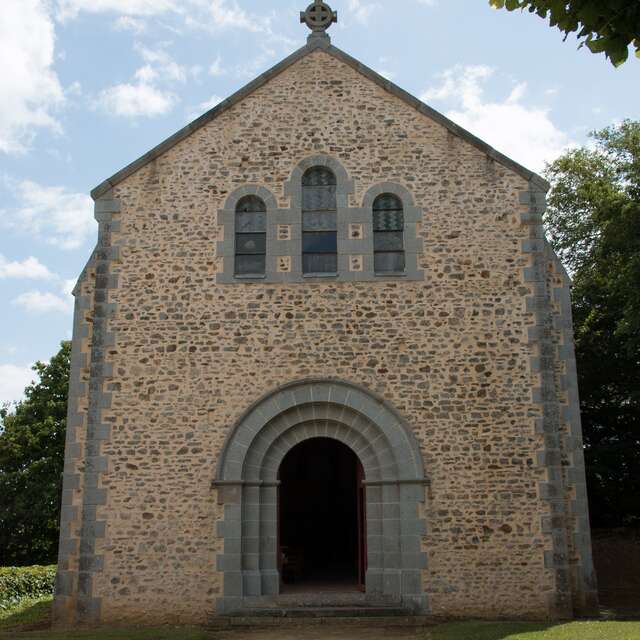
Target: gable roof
{"x": 312, "y": 45}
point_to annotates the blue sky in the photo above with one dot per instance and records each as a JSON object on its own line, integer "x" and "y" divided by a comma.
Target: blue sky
{"x": 87, "y": 86}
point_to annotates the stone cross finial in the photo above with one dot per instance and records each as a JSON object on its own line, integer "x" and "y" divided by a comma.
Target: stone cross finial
{"x": 319, "y": 16}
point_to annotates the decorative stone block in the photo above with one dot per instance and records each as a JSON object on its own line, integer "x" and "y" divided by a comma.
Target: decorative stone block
{"x": 284, "y": 264}
{"x": 284, "y": 232}
{"x": 356, "y": 232}
{"x": 356, "y": 263}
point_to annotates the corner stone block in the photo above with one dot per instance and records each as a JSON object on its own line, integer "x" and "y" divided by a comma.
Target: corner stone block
{"x": 85, "y": 584}
{"x": 411, "y": 582}
{"x": 89, "y": 609}
{"x": 229, "y": 494}
{"x": 96, "y": 497}
{"x": 374, "y": 581}
{"x": 64, "y": 583}
{"x": 233, "y": 583}
{"x": 107, "y": 205}
{"x": 392, "y": 582}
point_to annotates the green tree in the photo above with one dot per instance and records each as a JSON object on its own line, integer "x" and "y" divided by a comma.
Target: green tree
{"x": 608, "y": 26}
{"x": 32, "y": 438}
{"x": 594, "y": 223}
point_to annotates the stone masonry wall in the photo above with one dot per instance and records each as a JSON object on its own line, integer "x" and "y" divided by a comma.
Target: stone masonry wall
{"x": 452, "y": 353}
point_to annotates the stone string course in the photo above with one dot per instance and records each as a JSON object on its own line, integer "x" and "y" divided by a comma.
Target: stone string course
{"x": 476, "y": 357}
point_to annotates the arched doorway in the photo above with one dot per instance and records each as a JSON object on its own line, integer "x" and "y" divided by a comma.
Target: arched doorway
{"x": 321, "y": 523}
{"x": 247, "y": 485}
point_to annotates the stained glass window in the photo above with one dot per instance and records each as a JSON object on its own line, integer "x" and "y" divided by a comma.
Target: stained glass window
{"x": 319, "y": 221}
{"x": 388, "y": 234}
{"x": 251, "y": 237}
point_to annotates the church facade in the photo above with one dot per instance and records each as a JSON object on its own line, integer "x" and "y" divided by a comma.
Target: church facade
{"x": 322, "y": 342}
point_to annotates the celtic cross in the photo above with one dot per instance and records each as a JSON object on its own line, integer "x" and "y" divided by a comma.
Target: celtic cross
{"x": 318, "y": 17}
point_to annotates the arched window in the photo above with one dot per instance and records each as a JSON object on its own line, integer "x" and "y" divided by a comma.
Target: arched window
{"x": 388, "y": 234}
{"x": 319, "y": 222}
{"x": 251, "y": 237}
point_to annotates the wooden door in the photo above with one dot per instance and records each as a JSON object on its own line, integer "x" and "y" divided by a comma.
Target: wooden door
{"x": 362, "y": 525}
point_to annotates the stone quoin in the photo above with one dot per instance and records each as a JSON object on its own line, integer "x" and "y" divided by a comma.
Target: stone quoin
{"x": 322, "y": 340}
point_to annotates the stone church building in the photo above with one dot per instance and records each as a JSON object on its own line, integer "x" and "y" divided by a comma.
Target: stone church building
{"x": 322, "y": 346}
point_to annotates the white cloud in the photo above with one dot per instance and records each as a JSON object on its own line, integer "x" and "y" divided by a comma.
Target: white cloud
{"x": 31, "y": 269}
{"x": 43, "y": 302}
{"x": 208, "y": 15}
{"x": 460, "y": 82}
{"x": 29, "y": 86}
{"x": 135, "y": 100}
{"x": 68, "y": 286}
{"x": 143, "y": 97}
{"x": 146, "y": 74}
{"x": 428, "y": 3}
{"x": 383, "y": 70}
{"x": 13, "y": 380}
{"x": 218, "y": 15}
{"x": 362, "y": 10}
{"x": 160, "y": 65}
{"x": 215, "y": 69}
{"x": 71, "y": 8}
{"x": 228, "y": 15}
{"x": 128, "y": 23}
{"x": 60, "y": 217}
{"x": 523, "y": 132}
{"x": 210, "y": 103}
{"x": 203, "y": 107}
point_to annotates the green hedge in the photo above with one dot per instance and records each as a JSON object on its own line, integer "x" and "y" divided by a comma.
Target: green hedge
{"x": 17, "y": 583}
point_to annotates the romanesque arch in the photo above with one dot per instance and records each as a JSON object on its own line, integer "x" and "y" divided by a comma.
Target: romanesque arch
{"x": 247, "y": 480}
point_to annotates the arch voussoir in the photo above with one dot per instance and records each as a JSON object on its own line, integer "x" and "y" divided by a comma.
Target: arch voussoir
{"x": 394, "y": 478}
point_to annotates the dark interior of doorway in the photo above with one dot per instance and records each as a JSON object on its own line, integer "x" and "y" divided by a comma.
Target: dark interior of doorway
{"x": 319, "y": 523}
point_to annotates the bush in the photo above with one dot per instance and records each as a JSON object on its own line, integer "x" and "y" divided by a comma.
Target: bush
{"x": 17, "y": 583}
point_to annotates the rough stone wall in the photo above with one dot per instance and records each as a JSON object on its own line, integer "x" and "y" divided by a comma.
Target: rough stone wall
{"x": 452, "y": 354}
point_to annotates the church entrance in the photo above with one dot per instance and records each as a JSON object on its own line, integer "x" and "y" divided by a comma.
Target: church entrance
{"x": 321, "y": 528}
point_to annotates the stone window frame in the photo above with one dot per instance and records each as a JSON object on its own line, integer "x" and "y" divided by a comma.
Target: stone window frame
{"x": 347, "y": 247}
{"x": 345, "y": 187}
{"x": 226, "y": 248}
{"x": 412, "y": 243}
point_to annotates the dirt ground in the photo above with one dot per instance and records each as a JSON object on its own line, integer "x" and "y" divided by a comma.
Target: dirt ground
{"x": 325, "y": 633}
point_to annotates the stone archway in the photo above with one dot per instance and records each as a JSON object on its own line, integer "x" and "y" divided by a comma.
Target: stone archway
{"x": 247, "y": 480}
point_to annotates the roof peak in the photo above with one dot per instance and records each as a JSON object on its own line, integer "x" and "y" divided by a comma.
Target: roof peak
{"x": 317, "y": 43}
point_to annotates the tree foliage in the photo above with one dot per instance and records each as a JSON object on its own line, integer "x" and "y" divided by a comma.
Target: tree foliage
{"x": 32, "y": 438}
{"x": 594, "y": 223}
{"x": 608, "y": 26}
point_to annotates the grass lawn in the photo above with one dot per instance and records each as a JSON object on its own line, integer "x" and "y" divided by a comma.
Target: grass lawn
{"x": 28, "y": 621}
{"x": 592, "y": 630}
{"x": 30, "y": 611}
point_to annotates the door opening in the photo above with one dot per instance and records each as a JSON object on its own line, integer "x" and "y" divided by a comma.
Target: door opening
{"x": 321, "y": 519}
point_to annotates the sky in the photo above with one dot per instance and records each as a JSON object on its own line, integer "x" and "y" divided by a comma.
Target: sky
{"x": 87, "y": 86}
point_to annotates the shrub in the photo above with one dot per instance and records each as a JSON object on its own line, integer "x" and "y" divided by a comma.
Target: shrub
{"x": 17, "y": 583}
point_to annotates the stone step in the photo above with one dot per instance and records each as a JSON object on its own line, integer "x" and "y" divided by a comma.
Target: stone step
{"x": 326, "y": 599}
{"x": 338, "y": 611}
{"x": 262, "y": 621}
